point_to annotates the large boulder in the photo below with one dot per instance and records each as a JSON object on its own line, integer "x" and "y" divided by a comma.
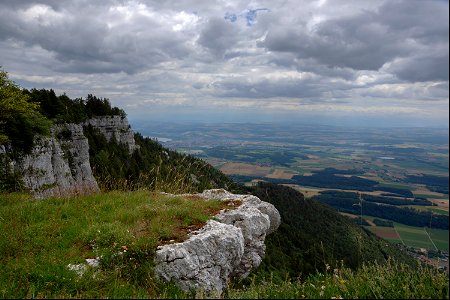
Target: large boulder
{"x": 206, "y": 260}
{"x": 231, "y": 245}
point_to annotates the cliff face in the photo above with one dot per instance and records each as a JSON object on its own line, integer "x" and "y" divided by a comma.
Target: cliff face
{"x": 59, "y": 165}
{"x": 231, "y": 245}
{"x": 114, "y": 126}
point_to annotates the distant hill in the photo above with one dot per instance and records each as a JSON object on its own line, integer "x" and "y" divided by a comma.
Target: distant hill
{"x": 313, "y": 235}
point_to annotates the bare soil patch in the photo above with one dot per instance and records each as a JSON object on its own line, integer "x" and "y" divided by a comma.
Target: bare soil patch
{"x": 244, "y": 169}
{"x": 385, "y": 232}
{"x": 280, "y": 174}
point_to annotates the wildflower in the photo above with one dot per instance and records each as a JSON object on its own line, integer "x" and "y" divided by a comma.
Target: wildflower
{"x": 322, "y": 288}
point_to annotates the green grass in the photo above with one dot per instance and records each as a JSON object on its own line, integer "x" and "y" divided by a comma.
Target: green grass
{"x": 38, "y": 239}
{"x": 395, "y": 185}
{"x": 428, "y": 196}
{"x": 414, "y": 236}
{"x": 390, "y": 281}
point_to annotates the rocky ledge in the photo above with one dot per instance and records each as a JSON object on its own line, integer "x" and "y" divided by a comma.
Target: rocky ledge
{"x": 229, "y": 246}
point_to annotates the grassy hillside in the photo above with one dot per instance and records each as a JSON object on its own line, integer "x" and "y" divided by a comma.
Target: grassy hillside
{"x": 388, "y": 281}
{"x": 151, "y": 167}
{"x": 40, "y": 239}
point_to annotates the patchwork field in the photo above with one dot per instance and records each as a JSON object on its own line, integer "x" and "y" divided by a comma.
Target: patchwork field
{"x": 414, "y": 236}
{"x": 440, "y": 238}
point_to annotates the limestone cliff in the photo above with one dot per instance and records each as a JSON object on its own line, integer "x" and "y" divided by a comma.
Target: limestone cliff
{"x": 229, "y": 246}
{"x": 114, "y": 126}
{"x": 59, "y": 165}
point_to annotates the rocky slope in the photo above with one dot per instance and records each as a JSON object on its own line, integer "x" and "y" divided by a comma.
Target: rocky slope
{"x": 229, "y": 246}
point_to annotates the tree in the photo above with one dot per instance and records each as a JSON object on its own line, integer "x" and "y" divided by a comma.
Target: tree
{"x": 20, "y": 118}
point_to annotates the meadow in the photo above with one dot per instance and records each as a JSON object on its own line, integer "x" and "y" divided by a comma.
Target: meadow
{"x": 43, "y": 243}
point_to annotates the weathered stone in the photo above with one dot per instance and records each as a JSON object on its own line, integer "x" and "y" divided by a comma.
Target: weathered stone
{"x": 114, "y": 126}
{"x": 59, "y": 166}
{"x": 206, "y": 260}
{"x": 253, "y": 220}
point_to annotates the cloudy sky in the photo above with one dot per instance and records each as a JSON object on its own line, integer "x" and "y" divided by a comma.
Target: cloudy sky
{"x": 359, "y": 62}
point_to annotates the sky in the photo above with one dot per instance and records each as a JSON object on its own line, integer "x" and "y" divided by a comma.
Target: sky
{"x": 371, "y": 63}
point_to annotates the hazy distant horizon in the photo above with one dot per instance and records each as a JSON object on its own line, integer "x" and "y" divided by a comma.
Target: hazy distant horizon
{"x": 248, "y": 117}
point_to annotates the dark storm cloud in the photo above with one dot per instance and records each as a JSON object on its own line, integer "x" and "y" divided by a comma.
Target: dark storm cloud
{"x": 422, "y": 68}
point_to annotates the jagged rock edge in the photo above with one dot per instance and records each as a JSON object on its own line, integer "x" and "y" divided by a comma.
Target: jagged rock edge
{"x": 253, "y": 219}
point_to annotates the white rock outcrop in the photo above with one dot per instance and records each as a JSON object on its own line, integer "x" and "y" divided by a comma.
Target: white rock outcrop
{"x": 114, "y": 126}
{"x": 59, "y": 165}
{"x": 229, "y": 246}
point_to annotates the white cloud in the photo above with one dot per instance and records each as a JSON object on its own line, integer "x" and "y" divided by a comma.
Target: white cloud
{"x": 345, "y": 56}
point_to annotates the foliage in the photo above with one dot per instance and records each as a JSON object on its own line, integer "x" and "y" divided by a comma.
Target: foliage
{"x": 20, "y": 119}
{"x": 10, "y": 180}
{"x": 383, "y": 223}
{"x": 312, "y": 235}
{"x": 62, "y": 109}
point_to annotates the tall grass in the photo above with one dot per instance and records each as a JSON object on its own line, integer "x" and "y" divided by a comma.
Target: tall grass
{"x": 176, "y": 178}
{"x": 388, "y": 281}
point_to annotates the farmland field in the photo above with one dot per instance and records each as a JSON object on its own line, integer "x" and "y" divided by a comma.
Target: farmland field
{"x": 440, "y": 238}
{"x": 387, "y": 233}
{"x": 413, "y": 236}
